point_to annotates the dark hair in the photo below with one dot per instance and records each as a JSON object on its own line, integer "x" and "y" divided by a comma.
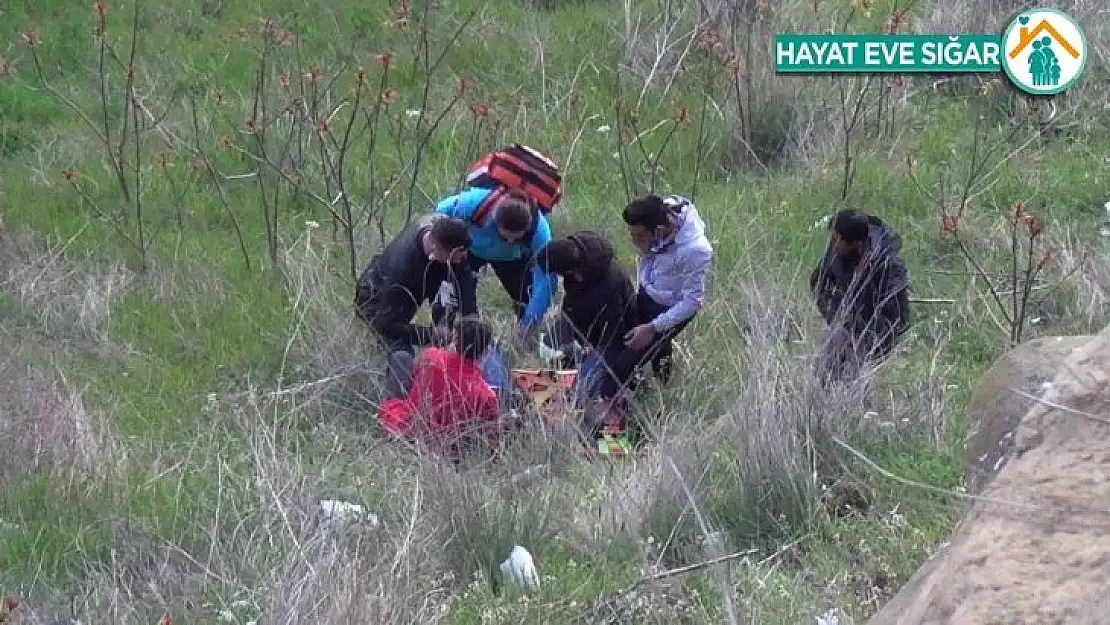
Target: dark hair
{"x": 649, "y": 212}
{"x": 851, "y": 225}
{"x": 514, "y": 215}
{"x": 560, "y": 257}
{"x": 472, "y": 337}
{"x": 451, "y": 233}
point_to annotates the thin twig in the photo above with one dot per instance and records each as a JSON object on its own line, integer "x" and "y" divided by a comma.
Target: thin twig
{"x": 661, "y": 575}
{"x": 1054, "y": 405}
{"x": 690, "y": 568}
{"x": 929, "y": 487}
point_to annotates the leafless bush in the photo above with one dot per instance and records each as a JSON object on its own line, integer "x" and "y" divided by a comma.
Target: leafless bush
{"x": 724, "y": 52}
{"x": 1006, "y": 262}
{"x": 970, "y": 16}
{"x": 1080, "y": 109}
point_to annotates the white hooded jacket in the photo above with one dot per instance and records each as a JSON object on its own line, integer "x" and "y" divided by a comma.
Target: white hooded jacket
{"x": 673, "y": 273}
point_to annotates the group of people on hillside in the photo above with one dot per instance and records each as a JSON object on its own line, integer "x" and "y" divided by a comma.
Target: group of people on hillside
{"x": 451, "y": 380}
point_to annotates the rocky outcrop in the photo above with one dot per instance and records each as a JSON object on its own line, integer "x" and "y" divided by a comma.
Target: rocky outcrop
{"x": 996, "y": 411}
{"x": 1034, "y": 546}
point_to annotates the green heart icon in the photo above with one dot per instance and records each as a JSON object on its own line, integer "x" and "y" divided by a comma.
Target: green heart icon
{"x": 1024, "y": 19}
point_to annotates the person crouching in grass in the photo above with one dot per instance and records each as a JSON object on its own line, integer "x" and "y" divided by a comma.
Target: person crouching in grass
{"x": 441, "y": 398}
{"x": 598, "y": 308}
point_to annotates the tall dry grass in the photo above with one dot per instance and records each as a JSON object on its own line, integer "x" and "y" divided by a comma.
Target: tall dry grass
{"x": 249, "y": 541}
{"x": 45, "y": 426}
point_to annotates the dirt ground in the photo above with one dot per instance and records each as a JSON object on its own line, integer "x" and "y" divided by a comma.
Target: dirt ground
{"x": 1035, "y": 547}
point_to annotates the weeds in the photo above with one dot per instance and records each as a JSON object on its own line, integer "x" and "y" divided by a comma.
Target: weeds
{"x": 120, "y": 132}
{"x": 220, "y": 516}
{"x": 1027, "y": 256}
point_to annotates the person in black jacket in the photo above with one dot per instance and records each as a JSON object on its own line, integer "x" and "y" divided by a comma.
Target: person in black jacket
{"x": 861, "y": 289}
{"x": 599, "y": 304}
{"x": 412, "y": 269}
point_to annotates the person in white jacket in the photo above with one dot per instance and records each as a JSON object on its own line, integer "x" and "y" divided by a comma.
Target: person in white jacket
{"x": 675, "y": 257}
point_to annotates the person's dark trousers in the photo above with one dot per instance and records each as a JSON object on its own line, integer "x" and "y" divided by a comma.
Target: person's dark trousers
{"x": 364, "y": 291}
{"x": 661, "y": 349}
{"x": 514, "y": 276}
{"x": 624, "y": 363}
{"x": 365, "y": 307}
{"x": 399, "y": 370}
{"x": 843, "y": 357}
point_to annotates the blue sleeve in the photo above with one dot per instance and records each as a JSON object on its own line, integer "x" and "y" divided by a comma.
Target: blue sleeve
{"x": 543, "y": 283}
{"x": 462, "y": 205}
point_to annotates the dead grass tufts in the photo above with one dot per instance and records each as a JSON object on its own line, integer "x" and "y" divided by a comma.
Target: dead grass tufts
{"x": 757, "y": 471}
{"x": 327, "y": 336}
{"x": 45, "y": 428}
{"x": 66, "y": 300}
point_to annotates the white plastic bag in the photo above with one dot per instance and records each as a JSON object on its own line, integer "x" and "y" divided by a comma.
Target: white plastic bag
{"x": 520, "y": 568}
{"x": 347, "y": 512}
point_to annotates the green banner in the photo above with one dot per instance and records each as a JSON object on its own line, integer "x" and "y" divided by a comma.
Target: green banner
{"x": 812, "y": 53}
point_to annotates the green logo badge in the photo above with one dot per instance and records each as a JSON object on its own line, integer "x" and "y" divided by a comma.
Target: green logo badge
{"x": 1044, "y": 51}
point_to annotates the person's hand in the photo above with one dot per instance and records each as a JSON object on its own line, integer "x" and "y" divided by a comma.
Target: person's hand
{"x": 640, "y": 337}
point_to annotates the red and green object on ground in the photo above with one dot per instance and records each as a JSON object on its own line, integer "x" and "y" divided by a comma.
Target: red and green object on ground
{"x": 547, "y": 387}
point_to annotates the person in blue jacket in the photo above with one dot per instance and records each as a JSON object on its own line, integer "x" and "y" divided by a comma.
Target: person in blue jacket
{"x": 506, "y": 237}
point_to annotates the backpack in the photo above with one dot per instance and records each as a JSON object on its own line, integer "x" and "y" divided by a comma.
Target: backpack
{"x": 523, "y": 169}
{"x": 520, "y": 172}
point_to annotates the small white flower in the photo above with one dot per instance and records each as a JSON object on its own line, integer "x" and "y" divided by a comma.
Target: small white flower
{"x": 604, "y": 128}
{"x": 311, "y": 225}
{"x": 413, "y": 113}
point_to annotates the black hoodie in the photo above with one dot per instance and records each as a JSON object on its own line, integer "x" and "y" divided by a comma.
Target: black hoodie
{"x": 602, "y": 305}
{"x": 870, "y": 297}
{"x": 399, "y": 280}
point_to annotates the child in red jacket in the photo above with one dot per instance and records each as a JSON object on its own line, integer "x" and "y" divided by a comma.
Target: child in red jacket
{"x": 441, "y": 397}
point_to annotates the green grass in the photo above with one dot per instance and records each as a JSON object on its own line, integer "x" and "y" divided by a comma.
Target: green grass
{"x": 185, "y": 345}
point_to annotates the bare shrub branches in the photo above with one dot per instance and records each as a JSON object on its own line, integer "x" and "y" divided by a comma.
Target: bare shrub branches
{"x": 121, "y": 132}
{"x": 309, "y": 134}
{"x": 1026, "y": 254}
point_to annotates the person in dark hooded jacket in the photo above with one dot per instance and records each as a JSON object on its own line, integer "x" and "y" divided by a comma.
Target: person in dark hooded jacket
{"x": 861, "y": 288}
{"x": 599, "y": 303}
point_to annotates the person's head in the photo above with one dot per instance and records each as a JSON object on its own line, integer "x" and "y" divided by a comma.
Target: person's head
{"x": 648, "y": 218}
{"x": 448, "y": 240}
{"x": 560, "y": 257}
{"x": 849, "y": 232}
{"x": 472, "y": 337}
{"x": 514, "y": 220}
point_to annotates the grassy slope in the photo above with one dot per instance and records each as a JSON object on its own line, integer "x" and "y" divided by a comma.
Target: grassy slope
{"x": 200, "y": 323}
